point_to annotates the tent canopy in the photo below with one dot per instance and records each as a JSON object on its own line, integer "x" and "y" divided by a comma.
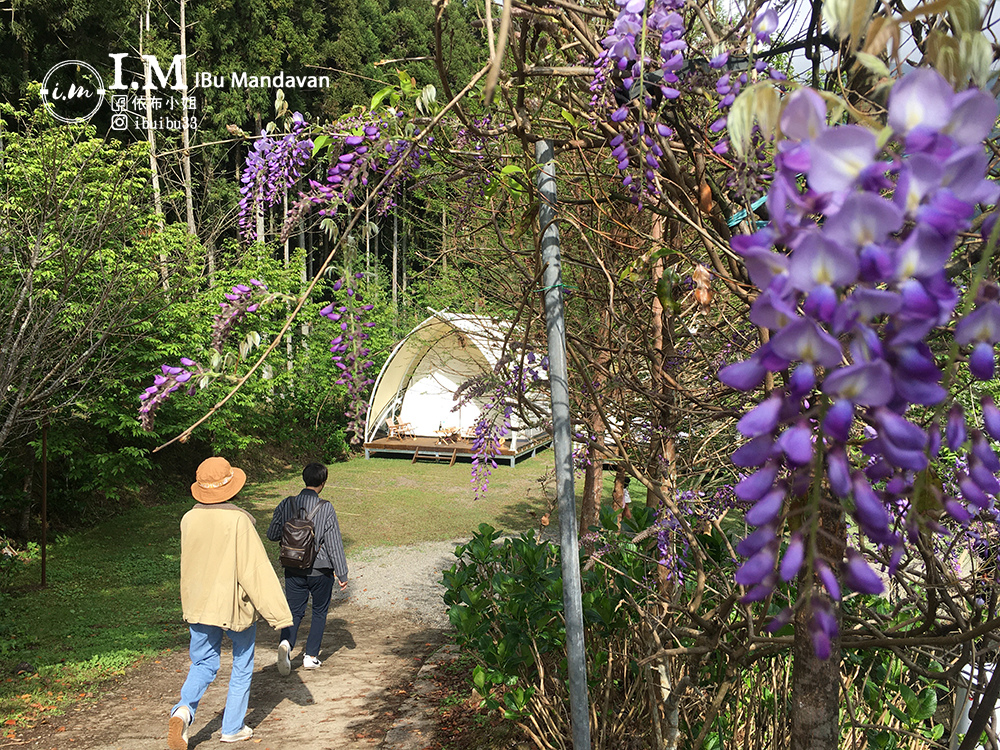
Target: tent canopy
{"x": 418, "y": 381}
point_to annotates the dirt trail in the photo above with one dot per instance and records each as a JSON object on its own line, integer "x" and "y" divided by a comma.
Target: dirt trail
{"x": 370, "y": 659}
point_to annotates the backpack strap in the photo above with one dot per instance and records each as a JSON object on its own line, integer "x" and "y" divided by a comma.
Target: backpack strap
{"x": 319, "y": 539}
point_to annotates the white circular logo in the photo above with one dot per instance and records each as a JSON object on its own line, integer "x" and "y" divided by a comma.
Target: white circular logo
{"x": 72, "y": 91}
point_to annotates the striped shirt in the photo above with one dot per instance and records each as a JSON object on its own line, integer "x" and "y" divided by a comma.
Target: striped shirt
{"x": 331, "y": 546}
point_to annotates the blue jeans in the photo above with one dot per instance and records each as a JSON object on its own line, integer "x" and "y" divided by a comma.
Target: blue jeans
{"x": 297, "y": 591}
{"x": 206, "y": 648}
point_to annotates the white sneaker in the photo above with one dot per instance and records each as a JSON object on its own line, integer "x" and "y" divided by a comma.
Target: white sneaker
{"x": 284, "y": 659}
{"x": 311, "y": 662}
{"x": 244, "y": 734}
{"x": 177, "y": 729}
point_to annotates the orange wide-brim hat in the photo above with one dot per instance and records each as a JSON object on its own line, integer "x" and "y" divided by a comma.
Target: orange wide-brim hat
{"x": 217, "y": 481}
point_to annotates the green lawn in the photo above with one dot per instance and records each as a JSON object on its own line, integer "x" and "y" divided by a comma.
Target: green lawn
{"x": 113, "y": 594}
{"x": 389, "y": 501}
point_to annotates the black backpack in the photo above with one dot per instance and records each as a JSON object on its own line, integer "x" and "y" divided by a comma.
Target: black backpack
{"x": 298, "y": 541}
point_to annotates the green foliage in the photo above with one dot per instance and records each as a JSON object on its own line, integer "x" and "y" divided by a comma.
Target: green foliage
{"x": 899, "y": 703}
{"x": 291, "y": 395}
{"x": 79, "y": 271}
{"x": 505, "y": 598}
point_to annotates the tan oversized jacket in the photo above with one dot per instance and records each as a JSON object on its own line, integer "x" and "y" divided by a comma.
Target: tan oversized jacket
{"x": 226, "y": 578}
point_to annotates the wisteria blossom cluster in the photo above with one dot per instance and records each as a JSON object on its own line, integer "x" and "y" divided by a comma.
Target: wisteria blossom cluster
{"x": 239, "y": 301}
{"x": 350, "y": 351}
{"x": 350, "y": 167}
{"x": 508, "y": 380}
{"x": 169, "y": 380}
{"x": 477, "y": 180}
{"x": 851, "y": 272}
{"x": 274, "y": 164}
{"x": 664, "y": 26}
{"x": 356, "y": 147}
{"x": 624, "y": 60}
{"x": 753, "y": 162}
{"x": 728, "y": 85}
{"x": 242, "y": 299}
{"x": 403, "y": 160}
{"x": 672, "y": 544}
{"x": 623, "y": 73}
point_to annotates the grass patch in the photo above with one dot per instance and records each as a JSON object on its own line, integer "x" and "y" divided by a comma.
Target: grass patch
{"x": 113, "y": 590}
{"x": 387, "y": 502}
{"x": 112, "y": 598}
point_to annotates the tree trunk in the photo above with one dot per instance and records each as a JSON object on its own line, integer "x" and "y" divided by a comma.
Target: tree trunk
{"x": 185, "y": 133}
{"x": 405, "y": 247}
{"x": 289, "y": 353}
{"x": 210, "y": 260}
{"x": 593, "y": 487}
{"x": 444, "y": 240}
{"x": 395, "y": 264}
{"x": 816, "y": 682}
{"x": 24, "y": 520}
{"x": 662, "y": 463}
{"x": 153, "y": 165}
{"x": 593, "y": 481}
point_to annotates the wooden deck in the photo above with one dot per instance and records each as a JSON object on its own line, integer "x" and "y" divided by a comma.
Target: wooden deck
{"x": 429, "y": 448}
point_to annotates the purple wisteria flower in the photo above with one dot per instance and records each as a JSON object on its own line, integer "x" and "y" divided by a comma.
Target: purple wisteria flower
{"x": 765, "y": 24}
{"x": 512, "y": 377}
{"x": 240, "y": 300}
{"x": 626, "y": 64}
{"x": 274, "y": 164}
{"x": 350, "y": 351}
{"x": 170, "y": 380}
{"x": 852, "y": 278}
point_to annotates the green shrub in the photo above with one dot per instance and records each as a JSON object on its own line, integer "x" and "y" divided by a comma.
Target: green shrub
{"x": 506, "y": 602}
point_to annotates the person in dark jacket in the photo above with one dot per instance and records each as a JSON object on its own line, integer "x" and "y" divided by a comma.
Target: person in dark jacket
{"x": 317, "y": 581}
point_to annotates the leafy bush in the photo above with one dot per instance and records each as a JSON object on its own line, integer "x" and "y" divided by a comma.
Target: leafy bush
{"x": 505, "y": 598}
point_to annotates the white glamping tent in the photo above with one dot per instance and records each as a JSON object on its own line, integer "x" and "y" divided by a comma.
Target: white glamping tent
{"x": 417, "y": 385}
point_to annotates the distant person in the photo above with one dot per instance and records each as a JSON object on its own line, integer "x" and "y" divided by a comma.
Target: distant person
{"x": 317, "y": 581}
{"x": 226, "y": 581}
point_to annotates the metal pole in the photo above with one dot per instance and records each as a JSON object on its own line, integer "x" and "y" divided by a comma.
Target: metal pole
{"x": 562, "y": 444}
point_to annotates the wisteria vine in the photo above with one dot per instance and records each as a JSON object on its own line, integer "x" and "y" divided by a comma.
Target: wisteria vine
{"x": 350, "y": 352}
{"x": 510, "y": 379}
{"x": 854, "y": 287}
{"x": 239, "y": 301}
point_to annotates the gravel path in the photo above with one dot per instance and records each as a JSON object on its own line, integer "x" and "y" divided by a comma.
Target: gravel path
{"x": 380, "y": 632}
{"x": 406, "y": 580}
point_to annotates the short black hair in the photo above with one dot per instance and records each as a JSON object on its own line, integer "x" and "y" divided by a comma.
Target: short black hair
{"x": 314, "y": 475}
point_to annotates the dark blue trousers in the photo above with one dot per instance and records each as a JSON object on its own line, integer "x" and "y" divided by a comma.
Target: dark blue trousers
{"x": 297, "y": 591}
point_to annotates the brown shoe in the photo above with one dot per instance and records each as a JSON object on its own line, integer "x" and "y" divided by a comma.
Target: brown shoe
{"x": 177, "y": 730}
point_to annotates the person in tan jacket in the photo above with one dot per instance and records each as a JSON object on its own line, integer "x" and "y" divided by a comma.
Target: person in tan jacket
{"x": 226, "y": 581}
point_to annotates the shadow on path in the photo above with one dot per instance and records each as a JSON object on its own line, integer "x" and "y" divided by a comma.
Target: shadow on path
{"x": 370, "y": 660}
